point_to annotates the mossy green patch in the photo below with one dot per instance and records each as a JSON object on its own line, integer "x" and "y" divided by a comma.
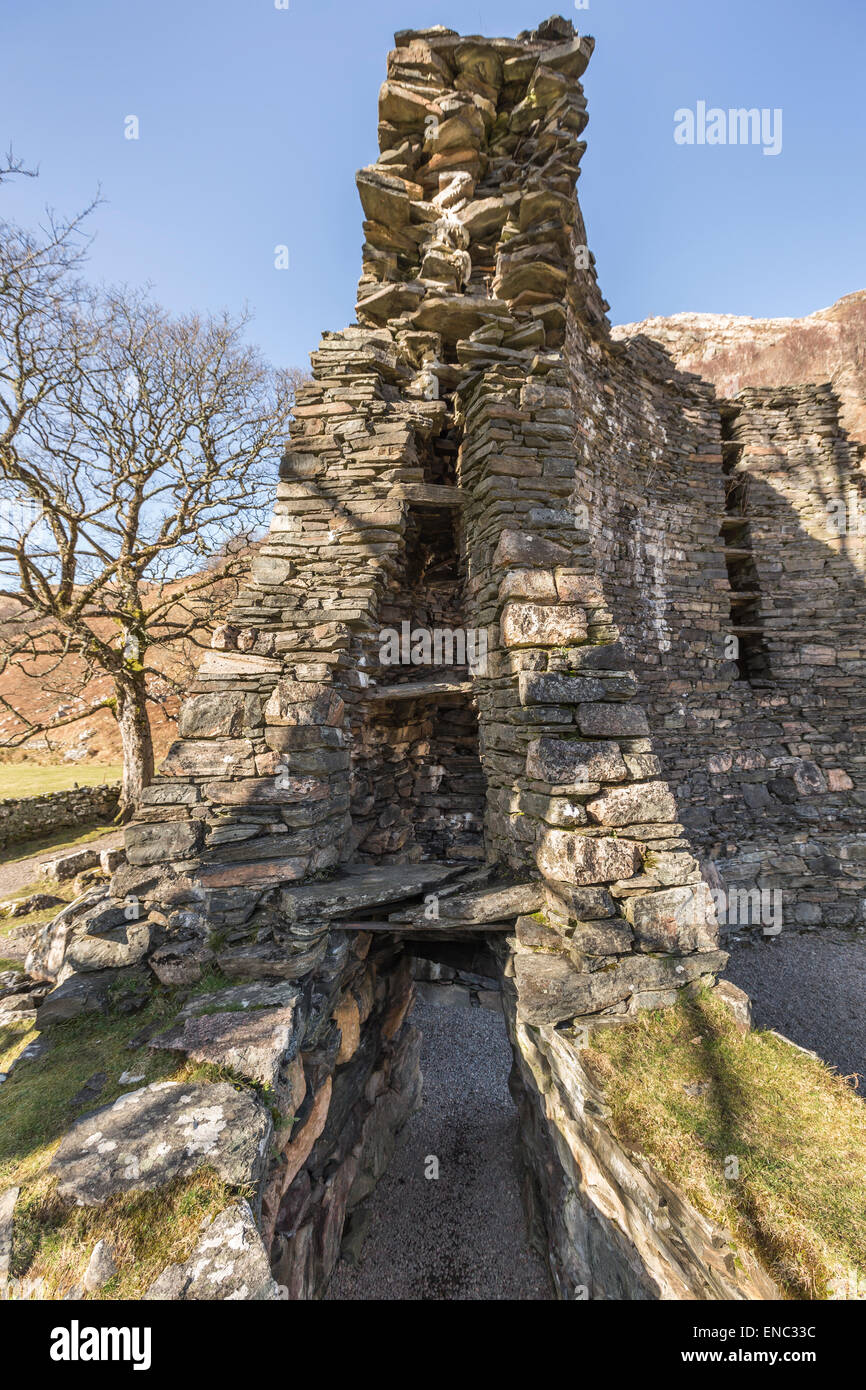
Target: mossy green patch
{"x": 766, "y": 1140}
{"x": 53, "y": 1241}
{"x": 40, "y": 1100}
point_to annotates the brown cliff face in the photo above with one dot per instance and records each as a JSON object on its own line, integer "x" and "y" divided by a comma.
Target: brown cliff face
{"x": 734, "y": 351}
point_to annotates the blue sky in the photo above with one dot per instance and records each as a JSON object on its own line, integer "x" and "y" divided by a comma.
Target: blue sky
{"x": 253, "y": 121}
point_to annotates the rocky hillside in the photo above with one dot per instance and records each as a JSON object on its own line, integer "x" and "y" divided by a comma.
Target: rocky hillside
{"x": 735, "y": 351}
{"x": 47, "y": 692}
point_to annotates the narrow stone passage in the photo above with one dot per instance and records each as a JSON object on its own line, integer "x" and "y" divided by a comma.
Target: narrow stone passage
{"x": 463, "y": 1235}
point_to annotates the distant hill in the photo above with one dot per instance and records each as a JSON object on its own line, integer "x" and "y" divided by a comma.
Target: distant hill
{"x": 94, "y": 739}
{"x": 734, "y": 351}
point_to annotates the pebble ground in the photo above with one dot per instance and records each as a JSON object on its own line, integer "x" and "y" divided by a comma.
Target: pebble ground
{"x": 463, "y": 1235}
{"x": 811, "y": 986}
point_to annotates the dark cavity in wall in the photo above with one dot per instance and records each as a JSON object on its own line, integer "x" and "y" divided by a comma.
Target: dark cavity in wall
{"x": 746, "y": 625}
{"x": 418, "y": 789}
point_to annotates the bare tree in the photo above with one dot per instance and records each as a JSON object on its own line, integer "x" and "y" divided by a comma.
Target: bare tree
{"x": 10, "y": 165}
{"x": 134, "y": 447}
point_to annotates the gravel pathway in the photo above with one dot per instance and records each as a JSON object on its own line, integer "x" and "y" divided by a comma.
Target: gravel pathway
{"x": 462, "y": 1236}
{"x": 25, "y": 871}
{"x": 811, "y": 986}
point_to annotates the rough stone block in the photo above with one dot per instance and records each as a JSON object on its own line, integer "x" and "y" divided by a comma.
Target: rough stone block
{"x": 229, "y": 1262}
{"x": 640, "y": 801}
{"x": 210, "y": 758}
{"x": 164, "y": 1131}
{"x": 569, "y": 762}
{"x": 569, "y": 857}
{"x": 612, "y": 721}
{"x": 533, "y": 625}
{"x": 550, "y": 990}
{"x": 675, "y": 919}
{"x": 521, "y": 548}
{"x": 163, "y": 841}
{"x": 303, "y": 702}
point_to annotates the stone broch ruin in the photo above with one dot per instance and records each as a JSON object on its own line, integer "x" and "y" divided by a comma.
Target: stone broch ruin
{"x": 658, "y": 702}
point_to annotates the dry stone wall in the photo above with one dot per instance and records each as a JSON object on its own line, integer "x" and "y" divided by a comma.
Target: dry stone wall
{"x": 465, "y": 305}
{"x": 430, "y": 487}
{"x": 28, "y": 817}
{"x": 740, "y": 594}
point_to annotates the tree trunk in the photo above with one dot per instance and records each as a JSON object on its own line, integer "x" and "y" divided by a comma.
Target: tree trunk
{"x": 135, "y": 739}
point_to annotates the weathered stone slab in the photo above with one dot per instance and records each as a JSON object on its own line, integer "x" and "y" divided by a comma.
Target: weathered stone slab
{"x": 47, "y": 953}
{"x": 100, "y": 1267}
{"x": 570, "y": 857}
{"x": 530, "y": 584}
{"x": 534, "y": 934}
{"x": 205, "y": 758}
{"x": 269, "y": 960}
{"x": 181, "y": 962}
{"x": 104, "y": 953}
{"x": 229, "y": 1262}
{"x": 570, "y": 762}
{"x": 606, "y": 938}
{"x": 7, "y": 1210}
{"x": 218, "y": 714}
{"x": 228, "y": 664}
{"x": 738, "y": 1002}
{"x": 278, "y": 790}
{"x": 264, "y": 874}
{"x": 34, "y": 902}
{"x": 536, "y": 625}
{"x": 455, "y": 316}
{"x": 551, "y": 990}
{"x": 550, "y": 688}
{"x": 70, "y": 865}
{"x": 255, "y": 1030}
{"x": 163, "y": 1131}
{"x": 674, "y": 919}
{"x": 364, "y": 886}
{"x": 640, "y": 801}
{"x": 669, "y": 869}
{"x": 483, "y": 216}
{"x": 581, "y": 903}
{"x": 304, "y": 702}
{"x": 606, "y": 721}
{"x": 494, "y": 904}
{"x": 80, "y": 994}
{"x": 608, "y": 656}
{"x": 385, "y": 198}
{"x": 162, "y": 841}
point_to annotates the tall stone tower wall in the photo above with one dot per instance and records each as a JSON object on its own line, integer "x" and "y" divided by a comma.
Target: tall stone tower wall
{"x": 438, "y": 439}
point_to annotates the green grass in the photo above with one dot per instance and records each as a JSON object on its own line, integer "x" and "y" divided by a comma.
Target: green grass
{"x": 53, "y": 1240}
{"x": 35, "y": 1107}
{"x": 796, "y": 1129}
{"x": 61, "y": 840}
{"x": 29, "y": 779}
{"x": 147, "y": 1231}
{"x": 14, "y": 1037}
{"x": 33, "y": 920}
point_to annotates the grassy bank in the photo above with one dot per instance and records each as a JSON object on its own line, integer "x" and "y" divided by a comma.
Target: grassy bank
{"x": 39, "y": 1102}
{"x": 761, "y": 1137}
{"x": 29, "y": 779}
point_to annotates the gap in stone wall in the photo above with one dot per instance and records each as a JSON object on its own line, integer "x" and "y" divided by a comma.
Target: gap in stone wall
{"x": 751, "y": 659}
{"x": 438, "y": 457}
{"x": 418, "y": 786}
